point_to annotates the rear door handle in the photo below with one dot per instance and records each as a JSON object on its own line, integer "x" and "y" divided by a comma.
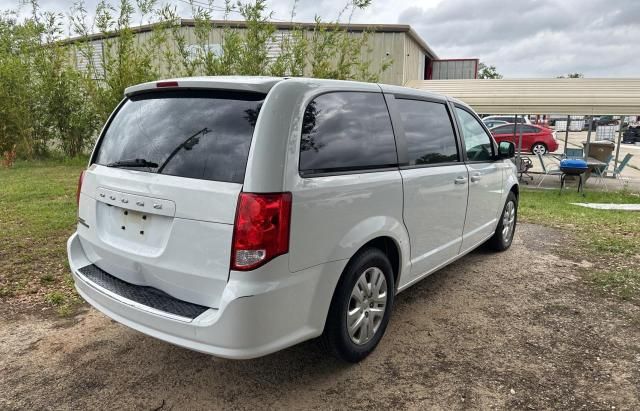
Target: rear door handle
{"x": 476, "y": 177}
{"x": 461, "y": 180}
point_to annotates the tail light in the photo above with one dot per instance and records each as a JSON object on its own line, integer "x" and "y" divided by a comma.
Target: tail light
{"x": 261, "y": 229}
{"x": 80, "y": 179}
{"x": 167, "y": 84}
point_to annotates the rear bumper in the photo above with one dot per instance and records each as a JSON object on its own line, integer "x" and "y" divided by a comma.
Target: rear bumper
{"x": 260, "y": 312}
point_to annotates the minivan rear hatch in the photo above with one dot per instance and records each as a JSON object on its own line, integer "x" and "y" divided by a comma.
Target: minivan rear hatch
{"x": 158, "y": 203}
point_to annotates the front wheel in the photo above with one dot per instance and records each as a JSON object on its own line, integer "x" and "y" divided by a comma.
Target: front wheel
{"x": 539, "y": 148}
{"x": 503, "y": 237}
{"x": 360, "y": 307}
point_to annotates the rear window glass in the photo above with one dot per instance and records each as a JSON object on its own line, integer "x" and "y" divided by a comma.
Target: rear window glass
{"x": 346, "y": 131}
{"x": 201, "y": 134}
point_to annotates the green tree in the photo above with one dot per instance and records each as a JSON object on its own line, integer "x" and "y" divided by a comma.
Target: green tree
{"x": 572, "y": 75}
{"x": 488, "y": 72}
{"x": 42, "y": 99}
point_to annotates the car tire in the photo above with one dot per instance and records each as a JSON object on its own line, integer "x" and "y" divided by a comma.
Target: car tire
{"x": 341, "y": 336}
{"x": 539, "y": 148}
{"x": 503, "y": 236}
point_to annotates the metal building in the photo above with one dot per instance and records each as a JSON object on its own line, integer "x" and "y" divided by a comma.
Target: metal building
{"x": 411, "y": 57}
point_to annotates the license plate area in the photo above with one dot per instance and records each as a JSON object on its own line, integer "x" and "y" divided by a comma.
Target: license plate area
{"x": 136, "y": 232}
{"x": 134, "y": 223}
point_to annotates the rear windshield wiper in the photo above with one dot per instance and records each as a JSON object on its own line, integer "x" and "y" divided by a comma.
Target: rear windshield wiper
{"x": 187, "y": 144}
{"x": 136, "y": 162}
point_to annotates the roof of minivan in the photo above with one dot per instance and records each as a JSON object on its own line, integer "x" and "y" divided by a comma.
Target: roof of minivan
{"x": 387, "y": 88}
{"x": 262, "y": 84}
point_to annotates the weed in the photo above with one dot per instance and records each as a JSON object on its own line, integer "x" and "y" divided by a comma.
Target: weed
{"x": 56, "y": 298}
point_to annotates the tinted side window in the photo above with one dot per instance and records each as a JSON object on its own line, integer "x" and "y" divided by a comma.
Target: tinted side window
{"x": 503, "y": 130}
{"x": 530, "y": 129}
{"x": 428, "y": 130}
{"x": 477, "y": 142}
{"x": 345, "y": 131}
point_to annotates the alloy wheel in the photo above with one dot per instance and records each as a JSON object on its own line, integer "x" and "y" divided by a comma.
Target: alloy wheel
{"x": 539, "y": 149}
{"x": 508, "y": 220}
{"x": 367, "y": 305}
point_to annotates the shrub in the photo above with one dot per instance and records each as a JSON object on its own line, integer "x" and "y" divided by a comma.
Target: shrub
{"x": 47, "y": 103}
{"x": 42, "y": 100}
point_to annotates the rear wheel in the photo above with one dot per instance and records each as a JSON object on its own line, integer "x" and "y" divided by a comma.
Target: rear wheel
{"x": 361, "y": 306}
{"x": 539, "y": 148}
{"x": 503, "y": 237}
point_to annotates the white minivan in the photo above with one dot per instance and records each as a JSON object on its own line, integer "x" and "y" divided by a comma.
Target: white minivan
{"x": 238, "y": 216}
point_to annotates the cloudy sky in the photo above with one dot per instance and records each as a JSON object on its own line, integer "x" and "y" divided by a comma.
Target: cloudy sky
{"x": 524, "y": 38}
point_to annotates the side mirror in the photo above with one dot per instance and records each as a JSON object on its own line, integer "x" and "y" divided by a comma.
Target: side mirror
{"x": 506, "y": 149}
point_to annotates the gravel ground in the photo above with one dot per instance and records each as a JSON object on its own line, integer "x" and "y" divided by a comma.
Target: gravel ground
{"x": 519, "y": 329}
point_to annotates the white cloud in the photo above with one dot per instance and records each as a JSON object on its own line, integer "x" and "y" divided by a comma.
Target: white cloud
{"x": 536, "y": 38}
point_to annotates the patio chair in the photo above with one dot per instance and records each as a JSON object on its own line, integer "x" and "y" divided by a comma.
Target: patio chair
{"x": 574, "y": 153}
{"x": 547, "y": 171}
{"x": 523, "y": 164}
{"x": 600, "y": 172}
{"x": 617, "y": 173}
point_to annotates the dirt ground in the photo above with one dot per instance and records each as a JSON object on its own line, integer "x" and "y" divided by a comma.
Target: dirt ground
{"x": 519, "y": 329}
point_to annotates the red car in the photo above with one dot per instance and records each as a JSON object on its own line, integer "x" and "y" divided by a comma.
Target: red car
{"x": 537, "y": 139}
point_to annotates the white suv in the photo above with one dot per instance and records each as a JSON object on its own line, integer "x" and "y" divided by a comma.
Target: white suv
{"x": 239, "y": 216}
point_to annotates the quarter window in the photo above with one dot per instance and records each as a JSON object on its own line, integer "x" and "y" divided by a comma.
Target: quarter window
{"x": 477, "y": 142}
{"x": 428, "y": 131}
{"x": 346, "y": 131}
